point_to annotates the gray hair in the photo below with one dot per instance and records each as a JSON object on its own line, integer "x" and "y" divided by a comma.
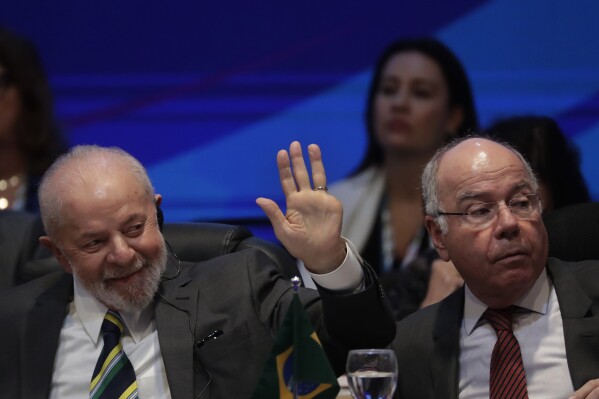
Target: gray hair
{"x": 430, "y": 187}
{"x": 81, "y": 164}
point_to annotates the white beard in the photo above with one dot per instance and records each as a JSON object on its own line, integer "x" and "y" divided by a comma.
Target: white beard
{"x": 135, "y": 296}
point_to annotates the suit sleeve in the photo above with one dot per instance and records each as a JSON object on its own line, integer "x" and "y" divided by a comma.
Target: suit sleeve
{"x": 343, "y": 321}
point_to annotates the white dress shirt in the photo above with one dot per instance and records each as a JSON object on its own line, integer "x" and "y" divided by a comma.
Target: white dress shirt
{"x": 80, "y": 342}
{"x": 347, "y": 276}
{"x": 80, "y": 345}
{"x": 539, "y": 330}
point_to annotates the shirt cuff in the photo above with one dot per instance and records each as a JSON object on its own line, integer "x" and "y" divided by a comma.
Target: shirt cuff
{"x": 346, "y": 277}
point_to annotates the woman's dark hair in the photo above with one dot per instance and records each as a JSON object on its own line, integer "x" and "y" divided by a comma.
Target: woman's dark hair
{"x": 551, "y": 155}
{"x": 460, "y": 92}
{"x": 38, "y": 136}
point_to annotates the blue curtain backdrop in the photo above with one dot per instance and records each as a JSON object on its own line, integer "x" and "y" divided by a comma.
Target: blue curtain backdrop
{"x": 205, "y": 93}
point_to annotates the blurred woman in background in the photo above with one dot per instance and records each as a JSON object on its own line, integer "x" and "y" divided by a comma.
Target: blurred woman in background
{"x": 419, "y": 98}
{"x": 29, "y": 137}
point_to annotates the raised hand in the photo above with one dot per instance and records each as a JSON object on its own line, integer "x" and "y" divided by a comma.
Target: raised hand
{"x": 311, "y": 227}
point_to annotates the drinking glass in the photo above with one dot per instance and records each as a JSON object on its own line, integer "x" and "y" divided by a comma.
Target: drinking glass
{"x": 371, "y": 373}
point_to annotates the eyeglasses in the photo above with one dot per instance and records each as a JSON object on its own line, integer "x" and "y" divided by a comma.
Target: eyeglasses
{"x": 522, "y": 206}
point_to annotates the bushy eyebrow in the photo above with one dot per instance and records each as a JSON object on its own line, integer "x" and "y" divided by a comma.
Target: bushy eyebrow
{"x": 466, "y": 195}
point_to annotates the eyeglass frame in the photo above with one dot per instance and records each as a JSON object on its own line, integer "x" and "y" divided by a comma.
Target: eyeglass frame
{"x": 536, "y": 207}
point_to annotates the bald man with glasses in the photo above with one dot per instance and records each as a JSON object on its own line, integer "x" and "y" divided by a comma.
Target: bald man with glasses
{"x": 524, "y": 325}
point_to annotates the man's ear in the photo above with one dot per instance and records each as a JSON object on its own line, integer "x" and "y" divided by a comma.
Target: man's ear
{"x": 159, "y": 213}
{"x": 438, "y": 238}
{"x": 48, "y": 243}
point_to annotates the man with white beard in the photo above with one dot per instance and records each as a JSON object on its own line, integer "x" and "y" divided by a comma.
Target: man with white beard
{"x": 100, "y": 214}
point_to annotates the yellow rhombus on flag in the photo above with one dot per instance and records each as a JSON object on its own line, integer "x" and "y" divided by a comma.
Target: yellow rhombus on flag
{"x": 297, "y": 361}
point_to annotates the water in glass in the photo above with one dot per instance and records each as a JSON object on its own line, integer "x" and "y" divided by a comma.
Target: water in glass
{"x": 372, "y": 373}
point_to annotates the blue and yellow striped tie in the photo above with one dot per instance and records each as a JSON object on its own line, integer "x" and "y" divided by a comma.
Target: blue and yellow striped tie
{"x": 113, "y": 376}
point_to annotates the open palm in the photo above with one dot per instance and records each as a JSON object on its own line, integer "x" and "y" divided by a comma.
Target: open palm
{"x": 311, "y": 227}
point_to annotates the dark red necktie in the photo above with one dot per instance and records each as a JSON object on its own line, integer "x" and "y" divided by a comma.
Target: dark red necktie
{"x": 507, "y": 377}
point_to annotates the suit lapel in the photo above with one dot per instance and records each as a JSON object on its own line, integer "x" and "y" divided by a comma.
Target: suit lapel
{"x": 446, "y": 347}
{"x": 174, "y": 321}
{"x": 40, "y": 339}
{"x": 581, "y": 324}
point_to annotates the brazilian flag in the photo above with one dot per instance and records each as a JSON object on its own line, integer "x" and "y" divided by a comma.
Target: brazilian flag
{"x": 297, "y": 362}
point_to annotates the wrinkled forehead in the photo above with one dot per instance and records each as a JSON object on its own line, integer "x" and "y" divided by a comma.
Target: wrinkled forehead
{"x": 480, "y": 166}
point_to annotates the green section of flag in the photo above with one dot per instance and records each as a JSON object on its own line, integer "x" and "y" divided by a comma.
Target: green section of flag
{"x": 297, "y": 357}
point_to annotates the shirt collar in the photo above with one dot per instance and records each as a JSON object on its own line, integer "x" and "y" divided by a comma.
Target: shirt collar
{"x": 535, "y": 300}
{"x": 91, "y": 312}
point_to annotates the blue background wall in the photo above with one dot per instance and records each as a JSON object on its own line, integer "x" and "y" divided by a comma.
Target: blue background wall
{"x": 206, "y": 93}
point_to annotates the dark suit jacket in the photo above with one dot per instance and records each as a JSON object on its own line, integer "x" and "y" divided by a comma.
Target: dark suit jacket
{"x": 427, "y": 342}
{"x": 241, "y": 294}
{"x": 19, "y": 232}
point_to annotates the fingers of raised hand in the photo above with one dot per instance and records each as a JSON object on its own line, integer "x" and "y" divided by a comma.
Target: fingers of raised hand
{"x": 274, "y": 214}
{"x": 271, "y": 209}
{"x": 294, "y": 173}
{"x": 300, "y": 172}
{"x": 318, "y": 174}
{"x": 285, "y": 173}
